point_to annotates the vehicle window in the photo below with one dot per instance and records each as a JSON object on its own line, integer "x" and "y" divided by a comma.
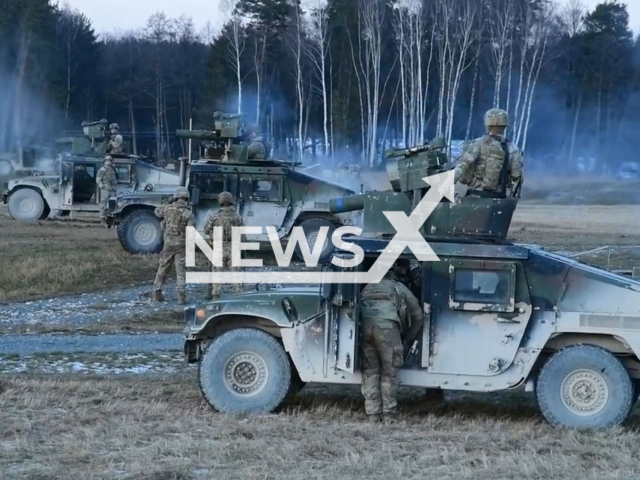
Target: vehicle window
{"x": 122, "y": 173}
{"x": 482, "y": 286}
{"x": 209, "y": 184}
{"x": 266, "y": 189}
{"x": 83, "y": 171}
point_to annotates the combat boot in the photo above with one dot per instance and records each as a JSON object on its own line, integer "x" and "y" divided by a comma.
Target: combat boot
{"x": 158, "y": 296}
{"x": 182, "y": 298}
{"x": 376, "y": 418}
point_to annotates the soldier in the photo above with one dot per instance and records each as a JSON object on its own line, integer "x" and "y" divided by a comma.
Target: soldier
{"x": 176, "y": 217}
{"x": 388, "y": 309}
{"x": 257, "y": 147}
{"x": 115, "y": 143}
{"x": 491, "y": 164}
{"x": 227, "y": 218}
{"x": 106, "y": 179}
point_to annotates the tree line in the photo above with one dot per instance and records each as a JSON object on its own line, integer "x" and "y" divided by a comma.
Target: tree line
{"x": 340, "y": 80}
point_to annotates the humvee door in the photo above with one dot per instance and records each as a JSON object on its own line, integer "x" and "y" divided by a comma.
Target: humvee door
{"x": 479, "y": 313}
{"x": 204, "y": 189}
{"x": 264, "y": 200}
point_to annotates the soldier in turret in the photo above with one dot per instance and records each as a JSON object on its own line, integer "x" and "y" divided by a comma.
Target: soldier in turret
{"x": 491, "y": 164}
{"x": 226, "y": 218}
{"x": 115, "y": 145}
{"x": 257, "y": 147}
{"x": 106, "y": 180}
{"x": 176, "y": 217}
{"x": 389, "y": 309}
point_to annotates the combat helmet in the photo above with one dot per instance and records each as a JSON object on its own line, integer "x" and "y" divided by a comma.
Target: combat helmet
{"x": 496, "y": 117}
{"x": 181, "y": 192}
{"x": 107, "y": 159}
{"x": 114, "y": 126}
{"x": 225, "y": 198}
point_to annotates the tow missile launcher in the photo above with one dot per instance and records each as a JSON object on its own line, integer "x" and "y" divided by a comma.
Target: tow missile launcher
{"x": 227, "y": 141}
{"x": 468, "y": 218}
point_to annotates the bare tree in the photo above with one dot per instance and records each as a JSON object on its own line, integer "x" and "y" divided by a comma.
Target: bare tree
{"x": 296, "y": 41}
{"x": 320, "y": 40}
{"x": 236, "y": 35}
{"x": 500, "y": 28}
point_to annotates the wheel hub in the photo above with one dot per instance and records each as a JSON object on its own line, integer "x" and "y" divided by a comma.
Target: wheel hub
{"x": 584, "y": 392}
{"x": 313, "y": 238}
{"x": 27, "y": 205}
{"x": 145, "y": 233}
{"x": 246, "y": 374}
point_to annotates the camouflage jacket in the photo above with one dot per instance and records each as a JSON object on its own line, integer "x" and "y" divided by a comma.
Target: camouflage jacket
{"x": 257, "y": 150}
{"x": 176, "y": 217}
{"x": 390, "y": 300}
{"x": 115, "y": 145}
{"x": 106, "y": 179}
{"x": 226, "y": 217}
{"x": 481, "y": 164}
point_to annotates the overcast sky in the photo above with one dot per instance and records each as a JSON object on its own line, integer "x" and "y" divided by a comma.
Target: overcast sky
{"x": 131, "y": 14}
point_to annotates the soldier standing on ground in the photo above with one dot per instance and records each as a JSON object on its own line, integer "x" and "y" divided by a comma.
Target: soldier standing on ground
{"x": 176, "y": 217}
{"x": 227, "y": 218}
{"x": 388, "y": 310}
{"x": 115, "y": 143}
{"x": 491, "y": 164}
{"x": 107, "y": 180}
{"x": 257, "y": 147}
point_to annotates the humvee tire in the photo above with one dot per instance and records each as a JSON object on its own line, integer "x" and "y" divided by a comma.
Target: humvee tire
{"x": 245, "y": 371}
{"x": 584, "y": 387}
{"x": 311, "y": 228}
{"x": 27, "y": 205}
{"x": 141, "y": 232}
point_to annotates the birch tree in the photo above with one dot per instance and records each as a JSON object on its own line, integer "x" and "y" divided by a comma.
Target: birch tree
{"x": 500, "y": 30}
{"x": 296, "y": 44}
{"x": 236, "y": 34}
{"x": 320, "y": 44}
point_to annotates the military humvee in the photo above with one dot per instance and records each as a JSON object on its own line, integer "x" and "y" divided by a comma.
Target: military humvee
{"x": 269, "y": 192}
{"x": 497, "y": 316}
{"x": 73, "y": 187}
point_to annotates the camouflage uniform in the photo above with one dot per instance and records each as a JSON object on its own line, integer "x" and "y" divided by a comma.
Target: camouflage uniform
{"x": 176, "y": 217}
{"x": 257, "y": 149}
{"x": 115, "y": 143}
{"x": 106, "y": 180}
{"x": 481, "y": 165}
{"x": 388, "y": 308}
{"x": 226, "y": 217}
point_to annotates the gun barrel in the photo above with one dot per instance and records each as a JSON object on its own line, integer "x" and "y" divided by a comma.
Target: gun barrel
{"x": 198, "y": 134}
{"x": 347, "y": 204}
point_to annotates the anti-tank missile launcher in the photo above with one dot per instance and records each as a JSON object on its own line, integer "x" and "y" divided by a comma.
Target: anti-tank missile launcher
{"x": 467, "y": 218}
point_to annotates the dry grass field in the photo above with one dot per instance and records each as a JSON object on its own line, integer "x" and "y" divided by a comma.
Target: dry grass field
{"x": 51, "y": 258}
{"x": 160, "y": 428}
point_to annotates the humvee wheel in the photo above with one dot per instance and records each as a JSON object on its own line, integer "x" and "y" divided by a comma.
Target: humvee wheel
{"x": 584, "y": 387}
{"x": 311, "y": 229}
{"x": 27, "y": 205}
{"x": 141, "y": 232}
{"x": 245, "y": 371}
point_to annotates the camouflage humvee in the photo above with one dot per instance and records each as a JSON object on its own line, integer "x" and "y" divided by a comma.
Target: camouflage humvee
{"x": 497, "y": 316}
{"x": 72, "y": 188}
{"x": 268, "y": 192}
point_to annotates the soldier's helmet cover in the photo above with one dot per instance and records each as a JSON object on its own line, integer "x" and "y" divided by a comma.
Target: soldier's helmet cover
{"x": 114, "y": 126}
{"x": 496, "y": 117}
{"x": 254, "y": 130}
{"x": 181, "y": 192}
{"x": 107, "y": 159}
{"x": 225, "y": 198}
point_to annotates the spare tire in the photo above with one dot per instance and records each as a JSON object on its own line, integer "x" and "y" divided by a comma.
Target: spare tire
{"x": 141, "y": 232}
{"x": 27, "y": 205}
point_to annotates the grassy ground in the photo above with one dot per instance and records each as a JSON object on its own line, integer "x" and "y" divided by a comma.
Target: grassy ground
{"x": 160, "y": 428}
{"x": 59, "y": 257}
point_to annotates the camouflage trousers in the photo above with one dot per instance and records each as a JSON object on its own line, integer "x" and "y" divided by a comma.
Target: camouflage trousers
{"x": 104, "y": 201}
{"x": 171, "y": 255}
{"x": 216, "y": 288}
{"x": 382, "y": 355}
